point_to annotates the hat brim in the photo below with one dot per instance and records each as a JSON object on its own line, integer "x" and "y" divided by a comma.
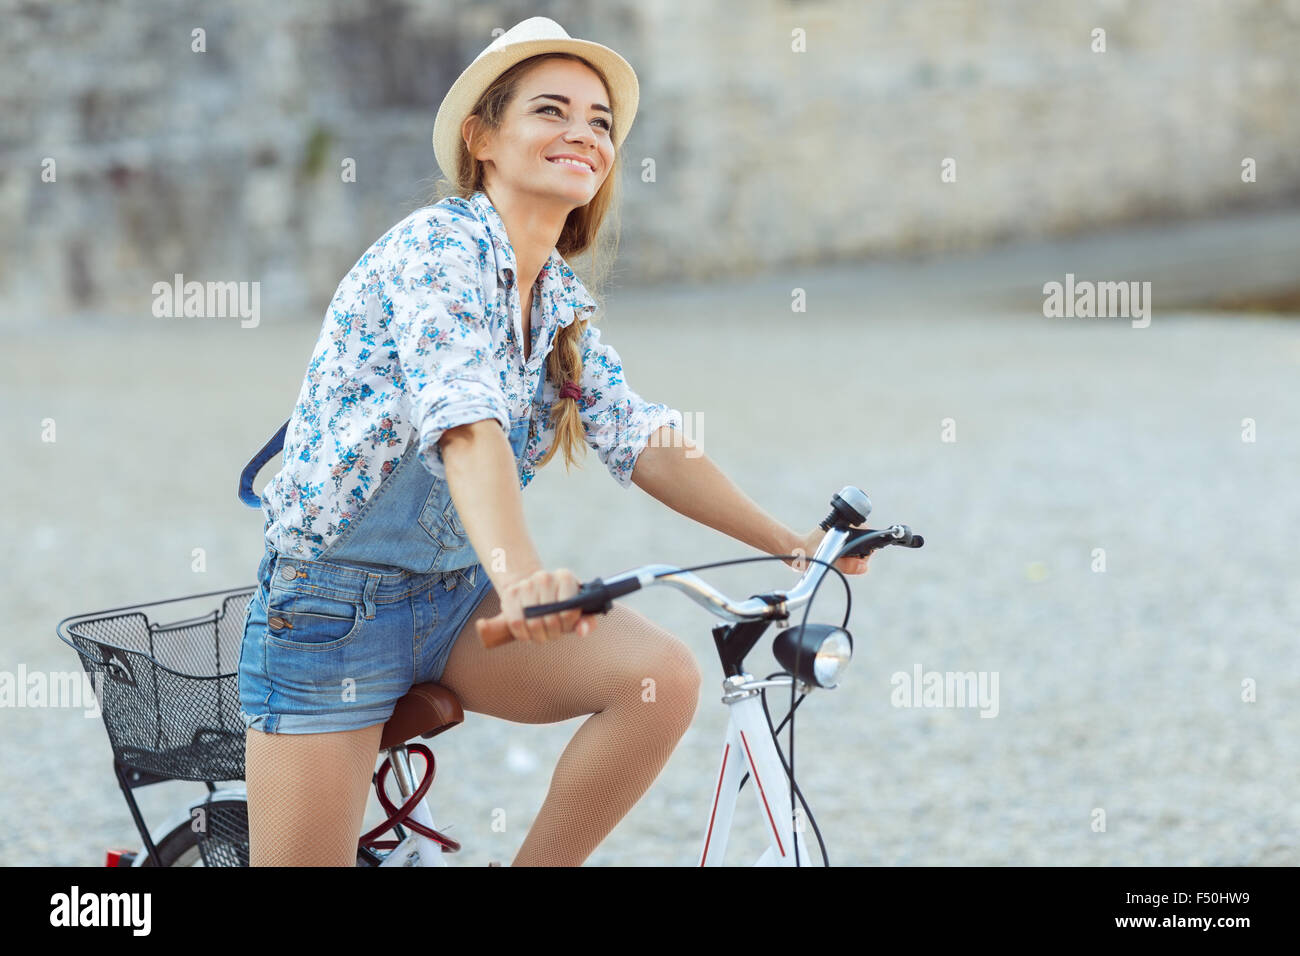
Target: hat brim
{"x": 624, "y": 92}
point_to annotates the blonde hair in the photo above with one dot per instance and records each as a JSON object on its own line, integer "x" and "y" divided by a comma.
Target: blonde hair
{"x": 579, "y": 236}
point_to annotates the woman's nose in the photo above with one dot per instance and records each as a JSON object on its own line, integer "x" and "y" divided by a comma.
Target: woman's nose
{"x": 580, "y": 132}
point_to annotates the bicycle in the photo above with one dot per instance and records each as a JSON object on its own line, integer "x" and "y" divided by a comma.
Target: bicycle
{"x": 166, "y": 723}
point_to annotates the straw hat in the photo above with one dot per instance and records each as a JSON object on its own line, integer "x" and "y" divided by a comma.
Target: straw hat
{"x": 529, "y": 38}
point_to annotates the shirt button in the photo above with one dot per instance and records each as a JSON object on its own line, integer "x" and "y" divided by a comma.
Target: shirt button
{"x": 288, "y": 572}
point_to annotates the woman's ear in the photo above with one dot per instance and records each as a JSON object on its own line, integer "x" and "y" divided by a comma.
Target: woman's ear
{"x": 468, "y": 130}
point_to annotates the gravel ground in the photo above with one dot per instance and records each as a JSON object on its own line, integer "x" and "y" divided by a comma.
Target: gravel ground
{"x": 1118, "y": 691}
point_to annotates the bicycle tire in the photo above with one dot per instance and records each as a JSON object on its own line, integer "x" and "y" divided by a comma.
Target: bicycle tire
{"x": 180, "y": 846}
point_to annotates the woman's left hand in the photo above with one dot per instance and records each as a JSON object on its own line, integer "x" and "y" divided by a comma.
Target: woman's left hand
{"x": 808, "y": 547}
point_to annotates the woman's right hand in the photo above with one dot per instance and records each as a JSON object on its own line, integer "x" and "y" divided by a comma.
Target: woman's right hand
{"x": 540, "y": 587}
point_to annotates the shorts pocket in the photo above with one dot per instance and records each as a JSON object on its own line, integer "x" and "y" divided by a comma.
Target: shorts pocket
{"x": 303, "y": 620}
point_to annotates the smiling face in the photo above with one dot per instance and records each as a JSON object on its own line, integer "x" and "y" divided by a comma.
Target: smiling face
{"x": 539, "y": 127}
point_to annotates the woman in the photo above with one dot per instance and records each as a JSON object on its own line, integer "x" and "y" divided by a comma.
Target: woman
{"x": 456, "y": 359}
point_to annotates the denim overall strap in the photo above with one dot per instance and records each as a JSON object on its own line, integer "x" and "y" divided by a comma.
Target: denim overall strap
{"x": 272, "y": 448}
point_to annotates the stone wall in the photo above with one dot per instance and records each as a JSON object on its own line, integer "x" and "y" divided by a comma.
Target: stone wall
{"x": 225, "y": 164}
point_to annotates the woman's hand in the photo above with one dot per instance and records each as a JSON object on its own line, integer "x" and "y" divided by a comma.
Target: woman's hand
{"x": 807, "y": 547}
{"x": 540, "y": 587}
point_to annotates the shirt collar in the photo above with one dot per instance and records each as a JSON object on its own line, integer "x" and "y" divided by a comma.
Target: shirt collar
{"x": 555, "y": 274}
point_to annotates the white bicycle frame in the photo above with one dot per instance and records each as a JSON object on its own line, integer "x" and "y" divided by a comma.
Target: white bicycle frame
{"x": 748, "y": 745}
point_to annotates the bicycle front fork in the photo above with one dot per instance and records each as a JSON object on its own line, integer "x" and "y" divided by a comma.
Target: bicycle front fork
{"x": 748, "y": 746}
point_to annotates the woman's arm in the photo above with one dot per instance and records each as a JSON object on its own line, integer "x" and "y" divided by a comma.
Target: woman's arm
{"x": 675, "y": 471}
{"x": 484, "y": 483}
{"x": 483, "y": 479}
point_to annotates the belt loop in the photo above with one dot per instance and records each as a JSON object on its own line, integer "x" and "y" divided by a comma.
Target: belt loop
{"x": 368, "y": 596}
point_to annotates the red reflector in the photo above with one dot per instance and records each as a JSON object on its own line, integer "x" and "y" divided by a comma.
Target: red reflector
{"x": 118, "y": 858}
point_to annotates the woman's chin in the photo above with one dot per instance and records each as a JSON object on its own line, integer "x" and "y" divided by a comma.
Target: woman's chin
{"x": 575, "y": 194}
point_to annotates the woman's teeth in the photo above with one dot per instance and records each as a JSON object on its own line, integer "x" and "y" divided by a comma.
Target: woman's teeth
{"x": 572, "y": 162}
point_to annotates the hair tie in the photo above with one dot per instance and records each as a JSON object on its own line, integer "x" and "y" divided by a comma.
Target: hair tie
{"x": 571, "y": 390}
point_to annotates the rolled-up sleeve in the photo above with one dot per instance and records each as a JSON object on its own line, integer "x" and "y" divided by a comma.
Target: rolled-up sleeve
{"x": 618, "y": 421}
{"x": 440, "y": 321}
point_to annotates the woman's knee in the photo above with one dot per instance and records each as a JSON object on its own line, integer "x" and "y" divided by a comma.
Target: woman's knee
{"x": 661, "y": 669}
{"x": 680, "y": 680}
{"x": 681, "y": 669}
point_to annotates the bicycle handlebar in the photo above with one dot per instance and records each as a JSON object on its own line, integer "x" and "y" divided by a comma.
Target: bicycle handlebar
{"x": 597, "y": 596}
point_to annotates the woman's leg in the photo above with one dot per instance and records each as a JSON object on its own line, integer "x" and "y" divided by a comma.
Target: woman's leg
{"x": 640, "y": 684}
{"x": 307, "y": 795}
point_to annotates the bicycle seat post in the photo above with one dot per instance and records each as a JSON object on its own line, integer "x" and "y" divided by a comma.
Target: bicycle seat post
{"x": 398, "y": 757}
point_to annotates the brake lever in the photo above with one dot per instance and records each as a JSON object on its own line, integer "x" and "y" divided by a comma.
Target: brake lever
{"x": 873, "y": 539}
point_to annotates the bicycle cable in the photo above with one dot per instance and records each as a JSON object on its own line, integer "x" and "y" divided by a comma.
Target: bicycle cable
{"x": 789, "y": 771}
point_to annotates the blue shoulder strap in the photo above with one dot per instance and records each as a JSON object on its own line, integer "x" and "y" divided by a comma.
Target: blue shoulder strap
{"x": 272, "y": 448}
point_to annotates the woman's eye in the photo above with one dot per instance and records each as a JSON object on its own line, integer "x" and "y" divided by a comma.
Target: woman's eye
{"x": 558, "y": 112}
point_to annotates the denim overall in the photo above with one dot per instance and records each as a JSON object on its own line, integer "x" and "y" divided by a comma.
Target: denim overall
{"x": 331, "y": 643}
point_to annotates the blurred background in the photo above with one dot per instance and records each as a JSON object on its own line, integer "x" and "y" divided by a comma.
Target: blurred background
{"x": 837, "y": 223}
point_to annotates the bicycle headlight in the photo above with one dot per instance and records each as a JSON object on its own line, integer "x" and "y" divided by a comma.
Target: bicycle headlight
{"x": 815, "y": 653}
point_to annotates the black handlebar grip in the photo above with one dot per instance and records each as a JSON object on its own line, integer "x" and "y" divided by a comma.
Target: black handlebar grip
{"x": 594, "y": 597}
{"x": 538, "y": 610}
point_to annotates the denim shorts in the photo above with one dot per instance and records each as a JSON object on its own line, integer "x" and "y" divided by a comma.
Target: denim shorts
{"x": 329, "y": 646}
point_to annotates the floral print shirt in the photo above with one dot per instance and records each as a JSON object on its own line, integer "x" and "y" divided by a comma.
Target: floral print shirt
{"x": 423, "y": 334}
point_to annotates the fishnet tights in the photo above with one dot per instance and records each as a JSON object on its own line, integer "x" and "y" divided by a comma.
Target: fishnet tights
{"x": 639, "y": 683}
{"x": 307, "y": 795}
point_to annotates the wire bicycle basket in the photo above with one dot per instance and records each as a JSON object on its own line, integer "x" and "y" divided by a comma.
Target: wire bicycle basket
{"x": 168, "y": 689}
